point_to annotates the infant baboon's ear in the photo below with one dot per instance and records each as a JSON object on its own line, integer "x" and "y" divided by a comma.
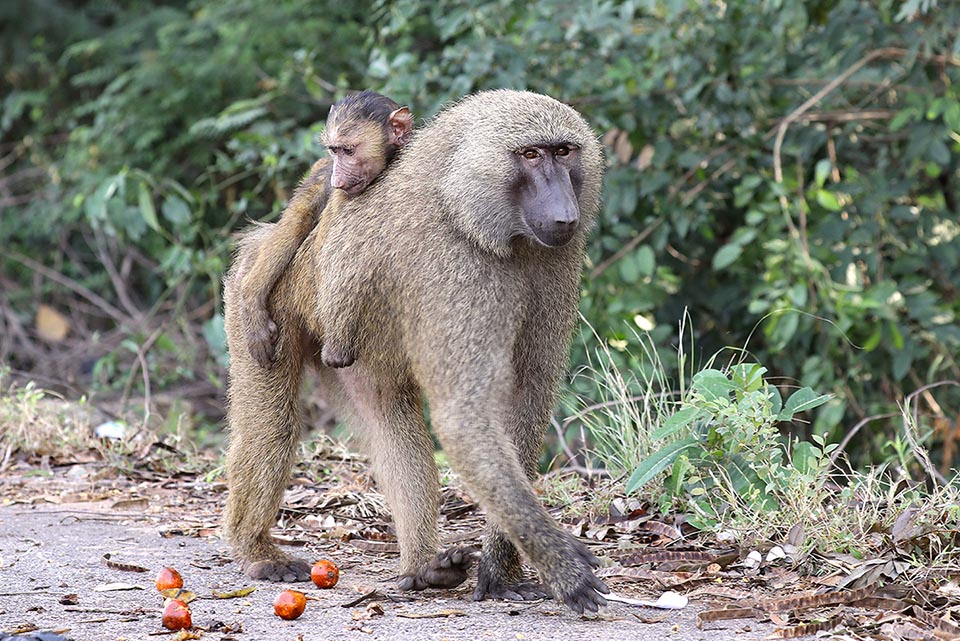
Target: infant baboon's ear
{"x": 401, "y": 125}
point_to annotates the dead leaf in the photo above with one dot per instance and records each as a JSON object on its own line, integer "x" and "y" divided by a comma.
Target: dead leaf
{"x": 609, "y": 137}
{"x": 801, "y": 601}
{"x": 122, "y": 567}
{"x": 130, "y": 504}
{"x": 873, "y": 571}
{"x": 645, "y": 159}
{"x": 804, "y": 629}
{"x": 667, "y": 532}
{"x": 795, "y": 536}
{"x": 668, "y": 601}
{"x": 52, "y": 326}
{"x": 664, "y": 556}
{"x": 905, "y": 526}
{"x": 235, "y": 594}
{"x": 726, "y": 614}
{"x": 372, "y": 610}
{"x": 622, "y": 148}
{"x": 432, "y": 615}
{"x": 178, "y": 593}
{"x": 112, "y": 587}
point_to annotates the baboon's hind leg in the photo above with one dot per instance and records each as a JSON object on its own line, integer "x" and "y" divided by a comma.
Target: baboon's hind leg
{"x": 265, "y": 422}
{"x": 392, "y": 426}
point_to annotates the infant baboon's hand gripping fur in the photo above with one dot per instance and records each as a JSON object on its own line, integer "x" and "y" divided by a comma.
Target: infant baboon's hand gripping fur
{"x": 456, "y": 276}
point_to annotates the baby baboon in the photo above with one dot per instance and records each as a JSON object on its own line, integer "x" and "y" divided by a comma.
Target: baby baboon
{"x": 457, "y": 277}
{"x": 362, "y": 135}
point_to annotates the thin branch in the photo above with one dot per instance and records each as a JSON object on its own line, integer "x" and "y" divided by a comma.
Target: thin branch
{"x": 814, "y": 99}
{"x": 119, "y": 286}
{"x": 623, "y": 251}
{"x": 73, "y": 286}
{"x": 571, "y": 457}
{"x": 853, "y": 432}
{"x": 599, "y": 406}
{"x": 910, "y": 421}
{"x": 850, "y": 116}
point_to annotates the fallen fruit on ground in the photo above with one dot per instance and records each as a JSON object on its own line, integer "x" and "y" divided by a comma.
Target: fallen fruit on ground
{"x": 325, "y": 573}
{"x": 168, "y": 578}
{"x": 176, "y": 616}
{"x": 289, "y": 604}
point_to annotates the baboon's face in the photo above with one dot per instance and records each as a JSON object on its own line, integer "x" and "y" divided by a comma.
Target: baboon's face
{"x": 549, "y": 179}
{"x": 359, "y": 155}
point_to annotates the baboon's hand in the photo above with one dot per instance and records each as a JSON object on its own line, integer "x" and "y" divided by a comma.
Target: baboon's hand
{"x": 336, "y": 354}
{"x": 572, "y": 579}
{"x": 261, "y": 337}
{"x": 287, "y": 570}
{"x": 446, "y": 570}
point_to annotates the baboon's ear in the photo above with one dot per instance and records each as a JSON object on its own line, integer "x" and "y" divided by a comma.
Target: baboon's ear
{"x": 400, "y": 123}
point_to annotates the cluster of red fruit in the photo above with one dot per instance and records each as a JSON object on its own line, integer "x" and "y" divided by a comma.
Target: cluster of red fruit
{"x": 289, "y": 604}
{"x": 176, "y": 613}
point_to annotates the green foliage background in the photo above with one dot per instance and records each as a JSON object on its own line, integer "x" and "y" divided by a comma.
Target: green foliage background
{"x": 821, "y": 233}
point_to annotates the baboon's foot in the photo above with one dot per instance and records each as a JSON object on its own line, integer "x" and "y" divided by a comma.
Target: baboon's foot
{"x": 490, "y": 588}
{"x": 570, "y": 578}
{"x": 287, "y": 569}
{"x": 337, "y": 355}
{"x": 446, "y": 570}
{"x": 261, "y": 337}
{"x": 500, "y": 576}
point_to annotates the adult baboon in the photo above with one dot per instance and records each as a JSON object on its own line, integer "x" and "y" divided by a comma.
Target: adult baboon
{"x": 457, "y": 277}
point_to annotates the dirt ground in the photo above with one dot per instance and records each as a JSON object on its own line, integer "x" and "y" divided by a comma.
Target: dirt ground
{"x": 50, "y": 551}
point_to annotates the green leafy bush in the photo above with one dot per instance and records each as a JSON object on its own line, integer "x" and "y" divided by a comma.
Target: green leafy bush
{"x": 763, "y": 157}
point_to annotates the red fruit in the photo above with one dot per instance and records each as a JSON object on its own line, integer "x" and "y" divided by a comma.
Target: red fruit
{"x": 289, "y": 604}
{"x": 169, "y": 578}
{"x": 176, "y": 616}
{"x": 325, "y": 573}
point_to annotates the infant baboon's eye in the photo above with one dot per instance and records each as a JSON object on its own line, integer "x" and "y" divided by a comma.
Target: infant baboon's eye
{"x": 530, "y": 154}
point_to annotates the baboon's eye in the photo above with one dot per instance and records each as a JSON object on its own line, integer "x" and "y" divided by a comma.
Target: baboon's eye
{"x": 530, "y": 154}
{"x": 348, "y": 151}
{"x": 562, "y": 151}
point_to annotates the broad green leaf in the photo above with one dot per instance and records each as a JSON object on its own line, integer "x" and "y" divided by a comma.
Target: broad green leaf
{"x": 951, "y": 116}
{"x": 903, "y": 118}
{"x": 871, "y": 343}
{"x": 713, "y": 384}
{"x": 675, "y": 422}
{"x": 658, "y": 462}
{"x": 804, "y": 457}
{"x": 646, "y": 260}
{"x": 802, "y": 400}
{"x": 749, "y": 376}
{"x": 147, "y": 209}
{"x": 176, "y": 211}
{"x": 828, "y": 200}
{"x": 938, "y": 151}
{"x": 822, "y": 171}
{"x": 776, "y": 401}
{"x": 629, "y": 269}
{"x": 726, "y": 256}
